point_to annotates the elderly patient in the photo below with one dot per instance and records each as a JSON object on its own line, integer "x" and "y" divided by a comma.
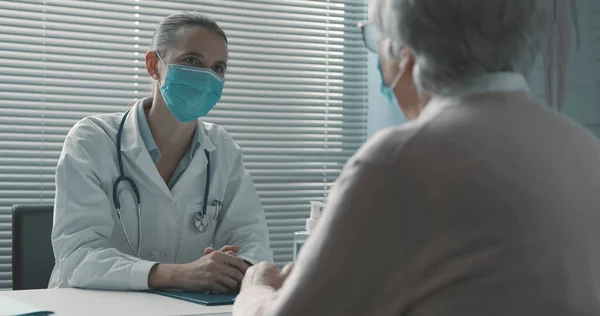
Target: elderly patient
{"x": 486, "y": 203}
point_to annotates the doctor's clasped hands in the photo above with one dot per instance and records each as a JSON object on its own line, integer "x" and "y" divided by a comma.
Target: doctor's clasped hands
{"x": 218, "y": 271}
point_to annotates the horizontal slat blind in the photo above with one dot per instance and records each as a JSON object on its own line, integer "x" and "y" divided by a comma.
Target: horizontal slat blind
{"x": 295, "y": 95}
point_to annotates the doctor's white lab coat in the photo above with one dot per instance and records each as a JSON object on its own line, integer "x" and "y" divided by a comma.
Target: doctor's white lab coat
{"x": 90, "y": 247}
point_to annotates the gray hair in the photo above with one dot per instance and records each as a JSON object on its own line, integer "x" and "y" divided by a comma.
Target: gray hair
{"x": 164, "y": 36}
{"x": 456, "y": 40}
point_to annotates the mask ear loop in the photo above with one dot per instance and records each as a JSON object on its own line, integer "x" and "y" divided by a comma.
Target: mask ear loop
{"x": 160, "y": 58}
{"x": 400, "y": 70}
{"x": 397, "y": 78}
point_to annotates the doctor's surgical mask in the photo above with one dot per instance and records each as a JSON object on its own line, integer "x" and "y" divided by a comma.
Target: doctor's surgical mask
{"x": 190, "y": 92}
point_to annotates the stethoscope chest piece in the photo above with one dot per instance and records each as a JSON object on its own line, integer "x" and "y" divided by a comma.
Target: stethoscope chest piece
{"x": 201, "y": 225}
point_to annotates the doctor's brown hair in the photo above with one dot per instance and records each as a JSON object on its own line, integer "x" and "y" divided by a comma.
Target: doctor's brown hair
{"x": 164, "y": 36}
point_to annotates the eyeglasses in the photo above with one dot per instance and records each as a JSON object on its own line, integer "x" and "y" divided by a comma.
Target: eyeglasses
{"x": 370, "y": 35}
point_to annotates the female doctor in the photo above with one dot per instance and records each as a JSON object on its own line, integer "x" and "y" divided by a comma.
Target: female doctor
{"x": 144, "y": 198}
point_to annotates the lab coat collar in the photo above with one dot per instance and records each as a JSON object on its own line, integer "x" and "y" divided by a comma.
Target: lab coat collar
{"x": 130, "y": 138}
{"x": 144, "y": 129}
{"x": 133, "y": 147}
{"x": 133, "y": 141}
{"x": 205, "y": 142}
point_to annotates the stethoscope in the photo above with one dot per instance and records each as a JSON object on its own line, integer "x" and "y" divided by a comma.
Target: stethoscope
{"x": 200, "y": 217}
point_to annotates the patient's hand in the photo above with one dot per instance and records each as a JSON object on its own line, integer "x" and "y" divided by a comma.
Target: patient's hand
{"x": 266, "y": 274}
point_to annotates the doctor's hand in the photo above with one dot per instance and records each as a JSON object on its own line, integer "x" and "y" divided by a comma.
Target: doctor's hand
{"x": 266, "y": 274}
{"x": 217, "y": 271}
{"x": 230, "y": 250}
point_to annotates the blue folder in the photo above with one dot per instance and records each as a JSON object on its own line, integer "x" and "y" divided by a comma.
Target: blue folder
{"x": 12, "y": 307}
{"x": 201, "y": 298}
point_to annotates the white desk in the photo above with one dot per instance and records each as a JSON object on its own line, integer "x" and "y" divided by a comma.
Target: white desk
{"x": 75, "y": 302}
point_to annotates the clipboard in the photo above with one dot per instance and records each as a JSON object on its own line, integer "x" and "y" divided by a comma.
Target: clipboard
{"x": 201, "y": 298}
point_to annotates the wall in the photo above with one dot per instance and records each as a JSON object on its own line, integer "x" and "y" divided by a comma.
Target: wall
{"x": 582, "y": 100}
{"x": 583, "y": 79}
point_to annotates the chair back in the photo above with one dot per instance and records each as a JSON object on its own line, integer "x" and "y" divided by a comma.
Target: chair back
{"x": 32, "y": 254}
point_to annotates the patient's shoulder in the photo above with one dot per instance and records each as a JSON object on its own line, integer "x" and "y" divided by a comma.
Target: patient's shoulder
{"x": 387, "y": 145}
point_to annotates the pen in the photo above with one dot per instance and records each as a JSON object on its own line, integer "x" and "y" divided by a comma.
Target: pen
{"x": 218, "y": 205}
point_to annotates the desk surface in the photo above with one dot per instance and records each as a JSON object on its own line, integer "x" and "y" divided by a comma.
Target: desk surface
{"x": 76, "y": 302}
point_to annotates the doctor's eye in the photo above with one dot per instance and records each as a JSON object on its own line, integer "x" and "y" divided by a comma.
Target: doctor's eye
{"x": 191, "y": 61}
{"x": 220, "y": 69}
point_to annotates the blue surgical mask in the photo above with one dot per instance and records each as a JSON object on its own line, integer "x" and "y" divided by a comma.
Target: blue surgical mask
{"x": 388, "y": 92}
{"x": 191, "y": 92}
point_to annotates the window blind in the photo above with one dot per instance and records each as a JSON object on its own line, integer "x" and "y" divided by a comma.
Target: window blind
{"x": 294, "y": 98}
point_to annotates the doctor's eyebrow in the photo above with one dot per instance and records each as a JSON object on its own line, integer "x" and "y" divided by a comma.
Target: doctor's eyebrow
{"x": 190, "y": 53}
